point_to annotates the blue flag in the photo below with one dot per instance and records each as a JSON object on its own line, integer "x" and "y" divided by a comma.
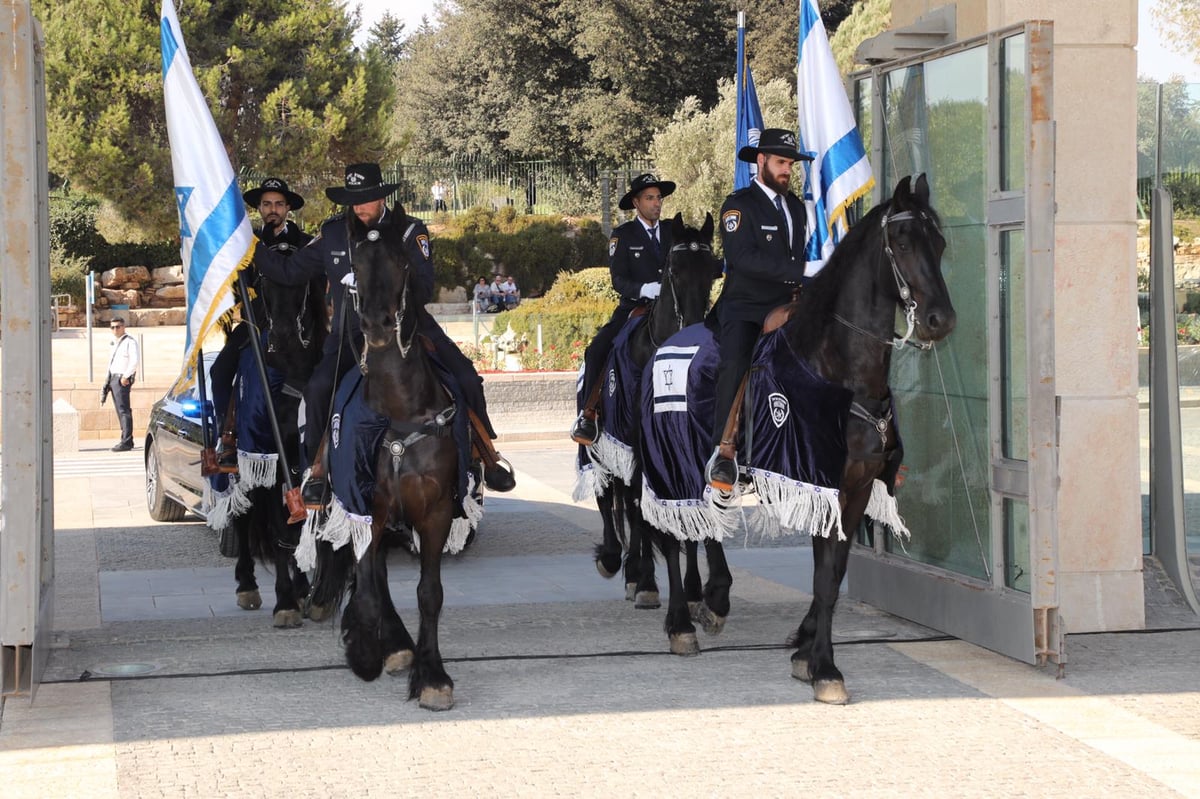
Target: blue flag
{"x": 749, "y": 116}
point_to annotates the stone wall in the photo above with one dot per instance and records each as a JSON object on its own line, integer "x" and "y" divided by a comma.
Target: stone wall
{"x": 155, "y": 297}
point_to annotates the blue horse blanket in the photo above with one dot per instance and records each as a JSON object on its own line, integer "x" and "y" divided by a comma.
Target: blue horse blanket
{"x": 792, "y": 449}
{"x": 258, "y": 454}
{"x": 619, "y": 400}
{"x": 356, "y": 435}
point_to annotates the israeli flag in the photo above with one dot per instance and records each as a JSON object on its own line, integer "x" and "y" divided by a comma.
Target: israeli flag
{"x": 214, "y": 232}
{"x": 840, "y": 172}
{"x": 749, "y": 116}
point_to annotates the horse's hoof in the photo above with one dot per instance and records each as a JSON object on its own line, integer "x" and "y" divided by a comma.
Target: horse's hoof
{"x": 287, "y": 618}
{"x": 436, "y": 698}
{"x": 646, "y": 600}
{"x": 693, "y": 609}
{"x": 605, "y": 572}
{"x": 711, "y": 622}
{"x": 831, "y": 692}
{"x": 398, "y": 661}
{"x": 630, "y": 591}
{"x": 684, "y": 644}
{"x": 249, "y": 600}
{"x": 319, "y": 613}
{"x": 801, "y": 671}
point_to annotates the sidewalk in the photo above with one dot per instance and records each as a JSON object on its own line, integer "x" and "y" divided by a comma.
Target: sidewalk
{"x": 562, "y": 688}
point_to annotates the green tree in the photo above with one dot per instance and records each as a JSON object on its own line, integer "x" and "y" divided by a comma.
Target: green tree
{"x": 387, "y": 38}
{"x": 1179, "y": 22}
{"x": 283, "y": 79}
{"x": 696, "y": 150}
{"x": 510, "y": 78}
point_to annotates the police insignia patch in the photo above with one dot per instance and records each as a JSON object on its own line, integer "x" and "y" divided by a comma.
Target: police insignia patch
{"x": 612, "y": 246}
{"x": 612, "y": 382}
{"x": 732, "y": 220}
{"x": 779, "y": 408}
{"x": 423, "y": 243}
{"x": 335, "y": 430}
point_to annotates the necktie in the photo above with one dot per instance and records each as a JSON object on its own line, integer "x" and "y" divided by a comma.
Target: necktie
{"x": 654, "y": 237}
{"x": 782, "y": 215}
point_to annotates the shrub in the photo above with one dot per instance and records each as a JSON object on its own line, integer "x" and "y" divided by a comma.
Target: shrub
{"x": 73, "y": 225}
{"x": 573, "y": 309}
{"x": 68, "y": 275}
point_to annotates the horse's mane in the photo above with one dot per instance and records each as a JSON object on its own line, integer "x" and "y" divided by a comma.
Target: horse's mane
{"x": 819, "y": 298}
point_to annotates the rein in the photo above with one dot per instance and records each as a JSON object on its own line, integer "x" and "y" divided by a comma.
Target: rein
{"x": 902, "y": 288}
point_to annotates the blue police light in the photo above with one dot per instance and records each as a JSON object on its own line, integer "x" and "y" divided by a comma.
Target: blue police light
{"x": 191, "y": 408}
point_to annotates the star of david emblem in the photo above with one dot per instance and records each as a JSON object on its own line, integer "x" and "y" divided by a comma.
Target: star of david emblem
{"x": 182, "y": 195}
{"x": 669, "y": 377}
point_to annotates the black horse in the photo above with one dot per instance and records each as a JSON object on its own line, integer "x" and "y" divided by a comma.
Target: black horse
{"x": 686, "y": 287}
{"x": 416, "y": 471}
{"x": 842, "y": 326}
{"x": 296, "y": 323}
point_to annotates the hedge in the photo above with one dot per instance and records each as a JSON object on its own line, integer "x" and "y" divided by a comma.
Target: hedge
{"x": 573, "y": 309}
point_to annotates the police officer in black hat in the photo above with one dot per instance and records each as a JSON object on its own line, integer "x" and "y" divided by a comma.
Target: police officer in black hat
{"x": 274, "y": 201}
{"x": 637, "y": 253}
{"x": 762, "y": 232}
{"x": 366, "y": 194}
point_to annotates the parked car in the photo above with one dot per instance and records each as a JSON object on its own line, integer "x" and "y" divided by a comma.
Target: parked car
{"x": 172, "y": 452}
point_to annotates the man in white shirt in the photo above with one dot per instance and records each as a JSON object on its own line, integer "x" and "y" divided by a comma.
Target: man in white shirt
{"x": 509, "y": 289}
{"x": 122, "y": 365}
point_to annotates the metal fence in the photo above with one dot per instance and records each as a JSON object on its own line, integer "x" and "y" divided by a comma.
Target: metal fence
{"x": 1168, "y": 142}
{"x": 574, "y": 188}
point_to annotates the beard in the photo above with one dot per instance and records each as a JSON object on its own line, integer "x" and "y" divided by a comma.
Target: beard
{"x": 774, "y": 180}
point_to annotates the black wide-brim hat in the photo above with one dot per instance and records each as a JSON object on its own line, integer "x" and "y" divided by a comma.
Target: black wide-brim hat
{"x": 254, "y": 196}
{"x": 642, "y": 182}
{"x": 774, "y": 141}
{"x": 364, "y": 183}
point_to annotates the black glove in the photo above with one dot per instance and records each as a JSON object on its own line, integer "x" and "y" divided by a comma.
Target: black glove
{"x": 104, "y": 392}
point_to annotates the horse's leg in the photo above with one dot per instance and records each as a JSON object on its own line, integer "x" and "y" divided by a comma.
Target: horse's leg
{"x": 280, "y": 542}
{"x": 608, "y": 551}
{"x": 641, "y": 550}
{"x": 397, "y": 643}
{"x": 248, "y": 597}
{"x": 712, "y": 611}
{"x": 428, "y": 681}
{"x": 693, "y": 588}
{"x": 681, "y": 633}
{"x": 361, "y": 618}
{"x": 830, "y": 557}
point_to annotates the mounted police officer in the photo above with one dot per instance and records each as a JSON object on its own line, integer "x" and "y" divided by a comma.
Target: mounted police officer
{"x": 637, "y": 254}
{"x": 330, "y": 254}
{"x": 274, "y": 201}
{"x": 762, "y": 232}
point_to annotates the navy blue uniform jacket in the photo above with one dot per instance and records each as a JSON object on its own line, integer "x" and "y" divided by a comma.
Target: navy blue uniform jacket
{"x": 632, "y": 259}
{"x": 329, "y": 254}
{"x": 761, "y": 265}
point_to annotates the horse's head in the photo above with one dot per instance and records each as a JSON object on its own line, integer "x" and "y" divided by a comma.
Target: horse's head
{"x": 381, "y": 271}
{"x": 293, "y": 322}
{"x": 691, "y": 269}
{"x": 913, "y": 245}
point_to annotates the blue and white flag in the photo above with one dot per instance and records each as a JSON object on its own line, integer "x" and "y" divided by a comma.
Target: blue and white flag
{"x": 214, "y": 232}
{"x": 749, "y": 116}
{"x": 840, "y": 172}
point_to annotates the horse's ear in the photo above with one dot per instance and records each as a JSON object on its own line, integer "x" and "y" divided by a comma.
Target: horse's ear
{"x": 921, "y": 190}
{"x": 677, "y": 226}
{"x": 707, "y": 229}
{"x": 902, "y": 193}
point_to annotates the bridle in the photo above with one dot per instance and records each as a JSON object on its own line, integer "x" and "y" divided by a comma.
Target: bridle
{"x": 692, "y": 246}
{"x": 401, "y": 344}
{"x": 902, "y": 288}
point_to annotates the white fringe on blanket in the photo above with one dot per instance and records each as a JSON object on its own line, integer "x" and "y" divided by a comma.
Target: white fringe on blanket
{"x": 590, "y": 482}
{"x": 711, "y": 518}
{"x": 615, "y": 456}
{"x": 461, "y": 527}
{"x": 306, "y": 550}
{"x": 882, "y": 508}
{"x": 256, "y": 470}
{"x": 796, "y": 506}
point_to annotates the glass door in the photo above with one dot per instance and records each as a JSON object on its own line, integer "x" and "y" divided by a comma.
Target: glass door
{"x": 977, "y": 507}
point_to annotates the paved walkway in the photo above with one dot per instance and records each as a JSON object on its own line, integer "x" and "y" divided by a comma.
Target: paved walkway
{"x": 562, "y": 688}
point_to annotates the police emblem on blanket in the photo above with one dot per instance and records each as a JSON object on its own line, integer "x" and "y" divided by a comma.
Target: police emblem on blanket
{"x": 227, "y": 496}
{"x": 792, "y": 446}
{"x": 353, "y": 455}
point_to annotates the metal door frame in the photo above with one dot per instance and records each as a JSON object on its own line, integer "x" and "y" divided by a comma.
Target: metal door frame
{"x": 986, "y": 612}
